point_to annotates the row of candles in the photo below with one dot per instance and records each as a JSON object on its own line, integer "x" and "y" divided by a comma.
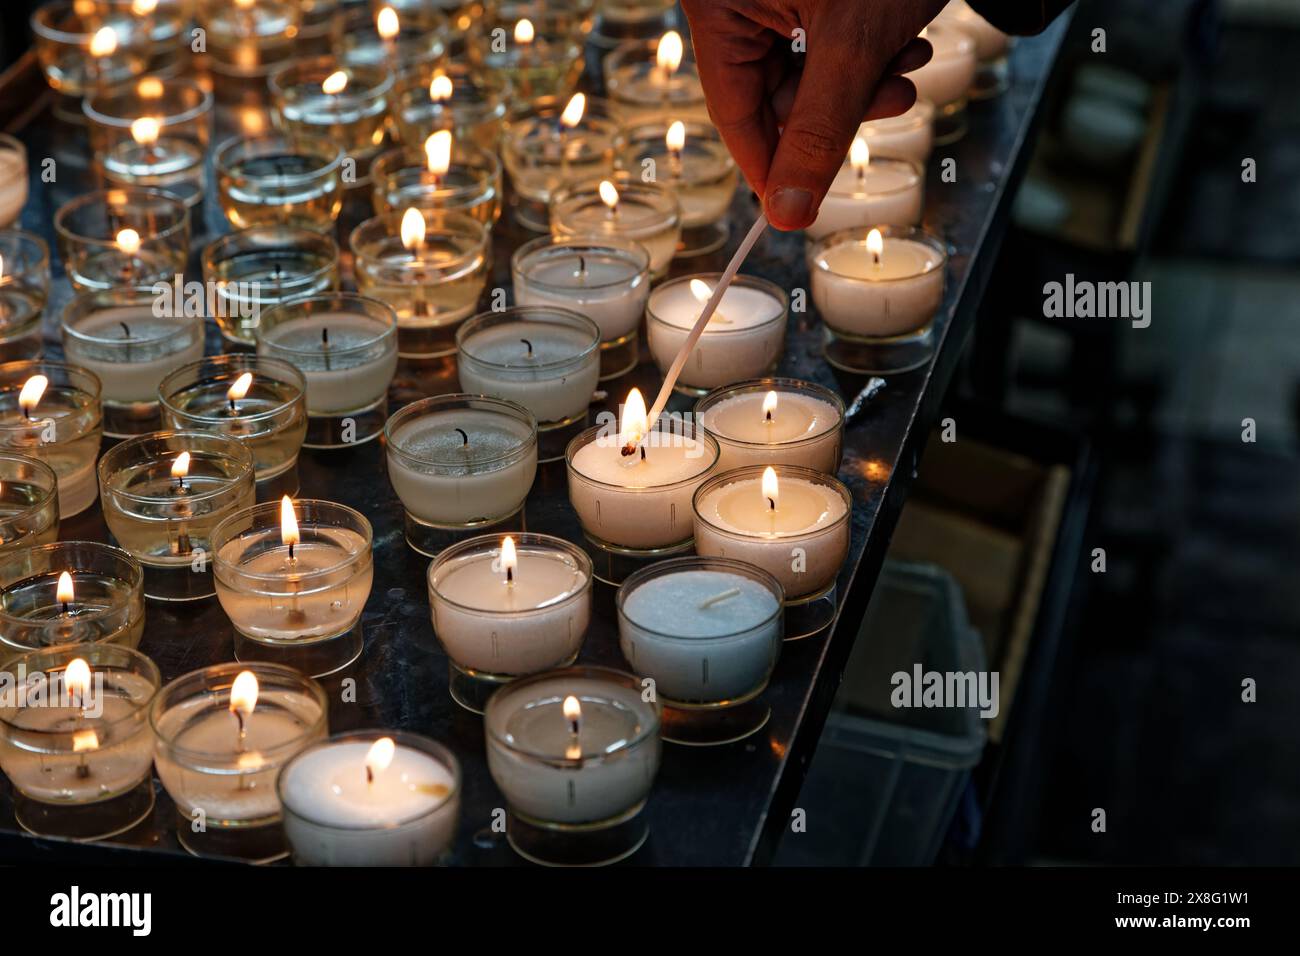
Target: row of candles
{"x": 750, "y": 488}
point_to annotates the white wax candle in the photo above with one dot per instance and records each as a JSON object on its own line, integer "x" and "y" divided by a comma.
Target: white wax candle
{"x": 887, "y": 192}
{"x": 346, "y": 368}
{"x": 549, "y": 368}
{"x": 861, "y": 295}
{"x": 909, "y": 135}
{"x": 990, "y": 42}
{"x": 800, "y": 430}
{"x": 132, "y": 350}
{"x": 609, "y": 287}
{"x": 951, "y": 70}
{"x": 633, "y": 219}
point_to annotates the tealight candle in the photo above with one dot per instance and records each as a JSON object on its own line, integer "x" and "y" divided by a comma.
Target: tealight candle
{"x": 654, "y": 79}
{"x": 708, "y": 632}
{"x": 470, "y": 103}
{"x": 79, "y": 54}
{"x": 70, "y": 592}
{"x": 163, "y": 494}
{"x": 877, "y": 291}
{"x": 274, "y": 178}
{"x": 793, "y": 522}
{"x": 991, "y": 46}
{"x": 118, "y": 335}
{"x": 74, "y": 740}
{"x": 29, "y": 502}
{"x": 574, "y": 752}
{"x": 124, "y": 236}
{"x": 442, "y": 174}
{"x": 647, "y": 212}
{"x": 870, "y": 191}
{"x": 542, "y": 357}
{"x": 346, "y": 102}
{"x": 322, "y": 28}
{"x": 13, "y": 180}
{"x": 51, "y": 411}
{"x": 412, "y": 41}
{"x": 430, "y": 266}
{"x": 743, "y": 339}
{"x": 24, "y": 287}
{"x": 458, "y": 463}
{"x": 506, "y": 607}
{"x": 249, "y": 37}
{"x": 255, "y": 398}
{"x": 774, "y": 421}
{"x": 618, "y": 21}
{"x": 909, "y": 135}
{"x": 946, "y": 78}
{"x": 372, "y": 798}
{"x": 607, "y": 280}
{"x": 221, "y": 736}
{"x": 537, "y": 52}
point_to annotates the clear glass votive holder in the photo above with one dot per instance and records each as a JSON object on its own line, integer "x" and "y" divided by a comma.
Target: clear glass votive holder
{"x": 342, "y": 810}
{"x": 909, "y": 135}
{"x": 806, "y": 560}
{"x": 462, "y": 465}
{"x": 107, "y": 604}
{"x": 607, "y": 280}
{"x": 499, "y": 623}
{"x": 541, "y": 152}
{"x": 309, "y": 99}
{"x": 249, "y": 39}
{"x": 24, "y": 288}
{"x": 78, "y": 753}
{"x": 619, "y": 21}
{"x": 270, "y": 418}
{"x": 29, "y": 502}
{"x": 280, "y": 179}
{"x": 646, "y": 212}
{"x": 636, "y": 514}
{"x": 157, "y": 139}
{"x": 992, "y": 76}
{"x": 345, "y": 345}
{"x": 13, "y": 180}
{"x": 472, "y": 183}
{"x": 62, "y": 427}
{"x": 120, "y": 336}
{"x": 575, "y": 784}
{"x": 322, "y": 28}
{"x": 884, "y": 191}
{"x": 81, "y": 51}
{"x": 701, "y": 172}
{"x": 219, "y": 758}
{"x": 708, "y": 632}
{"x": 433, "y": 283}
{"x": 546, "y": 63}
{"x": 165, "y": 519}
{"x": 744, "y": 339}
{"x": 946, "y": 79}
{"x": 413, "y": 54}
{"x": 298, "y": 604}
{"x": 878, "y": 314}
{"x": 261, "y": 266}
{"x": 123, "y": 236}
{"x": 643, "y": 91}
{"x": 801, "y": 423}
{"x": 474, "y": 110}
{"x": 545, "y": 358}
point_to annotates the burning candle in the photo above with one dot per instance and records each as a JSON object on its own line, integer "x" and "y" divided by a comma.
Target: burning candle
{"x": 946, "y": 79}
{"x": 273, "y": 178}
{"x": 653, "y": 80}
{"x": 909, "y": 135}
{"x": 774, "y": 421}
{"x": 646, "y": 212}
{"x": 468, "y": 102}
{"x": 870, "y": 191}
{"x": 542, "y": 52}
{"x": 29, "y": 502}
{"x": 346, "y": 102}
{"x": 124, "y": 236}
{"x": 24, "y": 289}
{"x": 445, "y": 175}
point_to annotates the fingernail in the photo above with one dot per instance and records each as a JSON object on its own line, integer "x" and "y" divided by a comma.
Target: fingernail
{"x": 789, "y": 207}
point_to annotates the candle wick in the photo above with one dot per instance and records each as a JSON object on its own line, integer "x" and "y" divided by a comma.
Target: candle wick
{"x": 464, "y": 439}
{"x": 291, "y": 557}
{"x": 643, "y": 452}
{"x": 325, "y": 346}
{"x": 767, "y": 417}
{"x": 239, "y": 716}
{"x": 126, "y": 330}
{"x": 180, "y": 484}
{"x": 370, "y": 775}
{"x": 582, "y": 266}
{"x": 573, "y": 728}
{"x": 65, "y": 609}
{"x": 772, "y": 502}
{"x": 530, "y": 347}
{"x": 510, "y": 575}
{"x": 233, "y": 409}
{"x": 719, "y": 598}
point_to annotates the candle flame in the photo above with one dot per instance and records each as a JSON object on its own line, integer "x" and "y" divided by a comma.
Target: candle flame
{"x": 700, "y": 290}
{"x": 2, "y": 268}
{"x": 440, "y": 88}
{"x": 387, "y": 24}
{"x": 634, "y": 425}
{"x": 769, "y": 405}
{"x": 32, "y": 391}
{"x": 181, "y": 466}
{"x": 245, "y": 4}
{"x": 84, "y": 740}
{"x": 859, "y": 154}
{"x": 76, "y": 677}
{"x": 524, "y": 31}
{"x": 380, "y": 756}
{"x": 771, "y": 489}
{"x": 142, "y": 8}
{"x": 572, "y": 709}
{"x": 608, "y": 194}
{"x": 243, "y": 693}
{"x": 240, "y": 387}
{"x": 145, "y": 130}
{"x": 104, "y": 42}
{"x": 509, "y": 557}
{"x": 668, "y": 54}
{"x": 288, "y": 522}
{"x": 150, "y": 88}
{"x": 676, "y": 138}
{"x": 875, "y": 243}
{"x": 128, "y": 240}
{"x": 335, "y": 83}
{"x": 573, "y": 110}
{"x": 412, "y": 228}
{"x": 437, "y": 153}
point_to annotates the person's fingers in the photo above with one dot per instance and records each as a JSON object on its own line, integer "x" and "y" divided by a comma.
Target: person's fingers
{"x": 912, "y": 57}
{"x": 894, "y": 96}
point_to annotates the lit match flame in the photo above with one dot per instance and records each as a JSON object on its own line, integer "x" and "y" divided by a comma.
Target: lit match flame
{"x": 437, "y": 154}
{"x": 524, "y": 31}
{"x": 128, "y": 240}
{"x": 573, "y": 111}
{"x": 771, "y": 490}
{"x": 387, "y": 24}
{"x": 104, "y": 42}
{"x": 31, "y": 393}
{"x": 379, "y": 757}
{"x": 668, "y": 54}
{"x": 145, "y": 130}
{"x": 412, "y": 229}
{"x": 335, "y": 83}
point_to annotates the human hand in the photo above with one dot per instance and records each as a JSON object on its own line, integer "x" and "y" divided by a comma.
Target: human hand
{"x": 789, "y": 117}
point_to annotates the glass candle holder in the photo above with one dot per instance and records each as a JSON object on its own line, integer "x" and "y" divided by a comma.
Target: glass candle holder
{"x": 645, "y": 212}
{"x": 158, "y": 138}
{"x": 634, "y": 509}
{"x": 270, "y": 417}
{"x": 946, "y": 79}
{"x": 774, "y": 421}
{"x": 343, "y": 808}
{"x": 909, "y": 135}
{"x": 249, "y": 39}
{"x": 545, "y": 358}
{"x": 607, "y": 280}
{"x": 501, "y": 614}
{"x": 744, "y": 338}
{"x": 280, "y": 179}
{"x": 262, "y": 266}
{"x": 75, "y": 741}
{"x": 82, "y": 50}
{"x": 432, "y": 276}
{"x": 24, "y": 287}
{"x": 119, "y": 336}
{"x": 219, "y": 749}
{"x": 295, "y": 597}
{"x": 123, "y": 236}
{"x": 469, "y": 102}
{"x": 462, "y": 465}
{"x": 647, "y": 87}
{"x": 790, "y": 521}
{"x": 471, "y": 184}
{"x": 348, "y": 103}
{"x": 574, "y": 752}
{"x": 708, "y": 632}
{"x": 619, "y": 21}
{"x": 322, "y": 28}
{"x": 536, "y": 51}
{"x": 878, "y": 297}
{"x": 29, "y": 502}
{"x": 106, "y": 605}
{"x": 345, "y": 345}
{"x": 162, "y": 507}
{"x": 991, "y": 47}
{"x": 57, "y": 421}
{"x": 700, "y": 171}
{"x": 874, "y": 191}
{"x": 541, "y": 150}
{"x": 13, "y": 180}
{"x": 417, "y": 48}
